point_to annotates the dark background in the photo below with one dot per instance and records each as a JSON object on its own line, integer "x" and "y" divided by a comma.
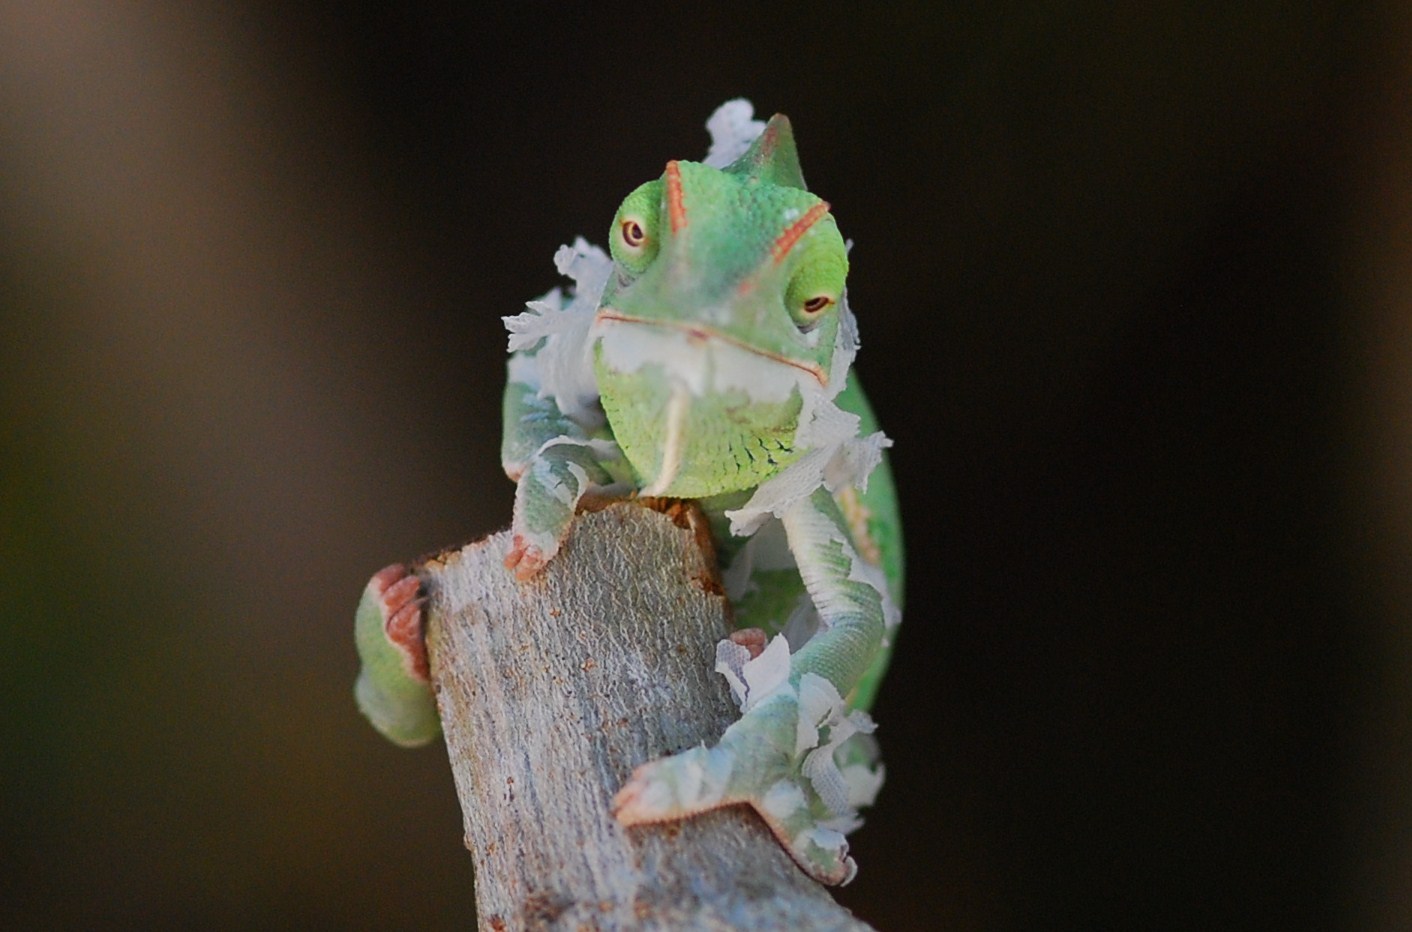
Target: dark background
{"x": 1133, "y": 287}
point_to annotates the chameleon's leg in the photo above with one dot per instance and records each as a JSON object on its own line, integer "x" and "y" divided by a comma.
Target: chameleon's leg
{"x": 545, "y": 499}
{"x": 554, "y": 464}
{"x": 790, "y": 755}
{"x": 394, "y": 684}
{"x": 877, "y": 528}
{"x": 850, "y": 609}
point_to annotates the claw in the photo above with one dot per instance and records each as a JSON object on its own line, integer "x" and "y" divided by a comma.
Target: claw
{"x": 524, "y": 558}
{"x": 386, "y": 578}
{"x": 515, "y": 553}
{"x": 398, "y": 594}
{"x": 752, "y": 639}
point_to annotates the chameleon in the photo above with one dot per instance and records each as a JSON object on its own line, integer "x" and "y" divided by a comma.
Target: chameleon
{"x": 708, "y": 356}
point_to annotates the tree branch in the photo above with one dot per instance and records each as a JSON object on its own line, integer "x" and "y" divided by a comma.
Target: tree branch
{"x": 551, "y": 691}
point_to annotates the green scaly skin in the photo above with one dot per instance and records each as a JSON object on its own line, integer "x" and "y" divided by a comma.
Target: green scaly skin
{"x": 719, "y": 346}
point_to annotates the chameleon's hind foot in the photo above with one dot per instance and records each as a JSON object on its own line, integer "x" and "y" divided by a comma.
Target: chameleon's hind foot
{"x": 780, "y": 766}
{"x": 394, "y": 684}
{"x": 752, "y": 639}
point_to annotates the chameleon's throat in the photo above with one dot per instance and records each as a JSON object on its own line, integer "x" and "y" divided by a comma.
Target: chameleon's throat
{"x": 676, "y": 436}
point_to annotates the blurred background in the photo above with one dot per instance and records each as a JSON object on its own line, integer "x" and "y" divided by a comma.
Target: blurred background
{"x": 1134, "y": 293}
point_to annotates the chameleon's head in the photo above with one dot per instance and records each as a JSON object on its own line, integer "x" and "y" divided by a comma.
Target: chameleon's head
{"x": 721, "y": 316}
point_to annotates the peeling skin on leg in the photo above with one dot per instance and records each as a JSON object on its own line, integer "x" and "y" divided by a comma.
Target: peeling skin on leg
{"x": 724, "y": 375}
{"x": 701, "y": 779}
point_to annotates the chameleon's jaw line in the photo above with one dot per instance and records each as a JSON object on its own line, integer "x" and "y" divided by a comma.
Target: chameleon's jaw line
{"x": 699, "y": 333}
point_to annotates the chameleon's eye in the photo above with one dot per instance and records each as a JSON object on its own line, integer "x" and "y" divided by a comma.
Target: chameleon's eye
{"x": 814, "y": 290}
{"x": 816, "y": 281}
{"x": 808, "y": 312}
{"x": 633, "y": 239}
{"x": 633, "y": 233}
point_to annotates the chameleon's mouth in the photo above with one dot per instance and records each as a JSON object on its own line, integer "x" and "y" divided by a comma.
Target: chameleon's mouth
{"x": 698, "y": 334}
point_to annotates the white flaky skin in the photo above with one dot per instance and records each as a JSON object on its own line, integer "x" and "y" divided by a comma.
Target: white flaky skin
{"x": 804, "y": 541}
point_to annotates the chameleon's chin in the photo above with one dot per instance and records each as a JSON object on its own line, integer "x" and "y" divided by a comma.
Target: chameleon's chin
{"x": 686, "y": 425}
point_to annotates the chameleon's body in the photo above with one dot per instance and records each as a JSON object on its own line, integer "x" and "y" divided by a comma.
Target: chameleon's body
{"x": 710, "y": 360}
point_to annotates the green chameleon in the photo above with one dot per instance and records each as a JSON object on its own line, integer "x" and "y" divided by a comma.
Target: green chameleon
{"x": 709, "y": 359}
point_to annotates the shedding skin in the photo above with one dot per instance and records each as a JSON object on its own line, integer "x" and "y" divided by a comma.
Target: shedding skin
{"x": 672, "y": 453}
{"x": 590, "y": 413}
{"x": 785, "y": 756}
{"x": 703, "y": 333}
{"x": 767, "y": 758}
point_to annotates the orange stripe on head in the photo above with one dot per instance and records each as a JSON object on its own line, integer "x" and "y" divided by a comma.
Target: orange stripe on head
{"x": 796, "y": 230}
{"x": 676, "y": 204}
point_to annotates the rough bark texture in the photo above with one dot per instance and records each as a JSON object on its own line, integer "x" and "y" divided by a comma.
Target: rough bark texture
{"x": 551, "y": 692}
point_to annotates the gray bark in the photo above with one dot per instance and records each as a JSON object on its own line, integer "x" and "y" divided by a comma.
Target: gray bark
{"x": 551, "y": 691}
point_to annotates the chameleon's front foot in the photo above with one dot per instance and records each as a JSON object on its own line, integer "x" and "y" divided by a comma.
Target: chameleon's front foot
{"x": 546, "y": 495}
{"x": 526, "y": 558}
{"x": 782, "y": 766}
{"x": 394, "y": 684}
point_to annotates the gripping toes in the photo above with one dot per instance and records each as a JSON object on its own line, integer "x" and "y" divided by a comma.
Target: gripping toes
{"x": 674, "y": 787}
{"x": 821, "y": 851}
{"x": 394, "y": 684}
{"x": 527, "y": 558}
{"x": 547, "y": 493}
{"x": 397, "y": 594}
